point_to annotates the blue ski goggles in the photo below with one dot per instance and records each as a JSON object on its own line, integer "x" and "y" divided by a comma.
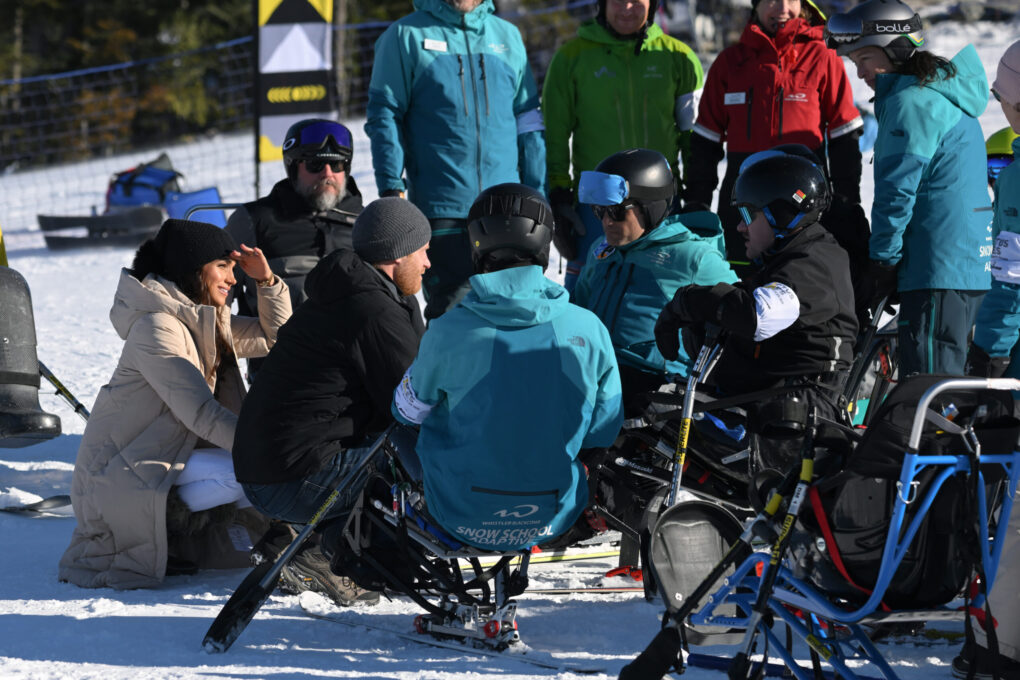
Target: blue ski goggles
{"x": 323, "y": 135}
{"x": 599, "y": 188}
{"x": 745, "y": 214}
{"x": 995, "y": 165}
{"x": 607, "y": 194}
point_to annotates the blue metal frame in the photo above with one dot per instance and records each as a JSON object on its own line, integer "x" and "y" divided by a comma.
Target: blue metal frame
{"x": 833, "y": 631}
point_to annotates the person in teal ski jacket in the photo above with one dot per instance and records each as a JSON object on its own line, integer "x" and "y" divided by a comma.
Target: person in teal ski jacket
{"x": 510, "y": 388}
{"x": 642, "y": 261}
{"x": 930, "y": 221}
{"x": 453, "y": 108}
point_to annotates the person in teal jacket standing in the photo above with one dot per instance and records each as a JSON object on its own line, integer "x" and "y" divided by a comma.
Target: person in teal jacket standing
{"x": 644, "y": 258}
{"x": 930, "y": 223}
{"x": 510, "y": 388}
{"x": 452, "y": 110}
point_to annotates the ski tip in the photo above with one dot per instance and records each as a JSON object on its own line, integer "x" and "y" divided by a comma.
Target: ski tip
{"x": 212, "y": 646}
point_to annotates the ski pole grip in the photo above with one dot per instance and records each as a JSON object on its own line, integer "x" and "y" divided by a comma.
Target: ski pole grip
{"x": 662, "y": 654}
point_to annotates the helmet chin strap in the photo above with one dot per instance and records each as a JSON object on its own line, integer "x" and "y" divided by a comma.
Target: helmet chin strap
{"x": 781, "y": 232}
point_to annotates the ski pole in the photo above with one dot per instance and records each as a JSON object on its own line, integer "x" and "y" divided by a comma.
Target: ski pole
{"x": 260, "y": 583}
{"x": 78, "y": 407}
{"x": 742, "y": 661}
{"x": 707, "y": 358}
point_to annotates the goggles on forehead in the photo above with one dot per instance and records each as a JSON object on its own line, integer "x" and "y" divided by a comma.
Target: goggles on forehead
{"x": 316, "y": 136}
{"x": 602, "y": 189}
{"x": 995, "y": 165}
{"x": 842, "y": 29}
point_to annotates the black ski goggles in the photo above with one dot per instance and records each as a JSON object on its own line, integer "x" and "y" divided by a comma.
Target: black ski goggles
{"x": 843, "y": 29}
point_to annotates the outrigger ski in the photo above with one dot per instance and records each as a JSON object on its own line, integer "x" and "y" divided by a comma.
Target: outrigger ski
{"x": 771, "y": 670}
{"x": 535, "y": 658}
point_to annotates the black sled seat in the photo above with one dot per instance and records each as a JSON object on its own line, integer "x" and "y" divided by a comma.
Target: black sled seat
{"x": 899, "y": 535}
{"x": 390, "y": 543}
{"x": 127, "y": 228}
{"x": 22, "y": 420}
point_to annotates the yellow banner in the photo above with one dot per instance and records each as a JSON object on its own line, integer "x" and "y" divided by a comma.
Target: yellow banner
{"x": 3, "y": 250}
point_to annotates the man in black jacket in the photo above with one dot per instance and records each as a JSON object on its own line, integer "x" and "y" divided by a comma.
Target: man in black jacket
{"x": 790, "y": 324}
{"x": 326, "y": 386}
{"x": 305, "y": 216}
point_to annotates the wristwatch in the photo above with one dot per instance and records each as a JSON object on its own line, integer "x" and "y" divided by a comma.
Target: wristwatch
{"x": 268, "y": 282}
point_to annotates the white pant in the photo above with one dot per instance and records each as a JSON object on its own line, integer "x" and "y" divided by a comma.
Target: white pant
{"x": 208, "y": 480}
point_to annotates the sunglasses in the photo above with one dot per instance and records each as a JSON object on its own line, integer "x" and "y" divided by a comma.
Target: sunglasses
{"x": 316, "y": 165}
{"x": 617, "y": 213}
{"x": 996, "y": 164}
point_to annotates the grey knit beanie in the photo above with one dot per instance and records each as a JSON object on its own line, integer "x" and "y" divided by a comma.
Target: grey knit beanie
{"x": 389, "y": 228}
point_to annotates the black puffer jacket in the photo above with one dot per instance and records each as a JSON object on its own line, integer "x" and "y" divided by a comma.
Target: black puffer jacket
{"x": 820, "y": 341}
{"x": 293, "y": 237}
{"x": 329, "y": 380}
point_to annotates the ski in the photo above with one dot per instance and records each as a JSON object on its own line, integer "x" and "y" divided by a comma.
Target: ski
{"x": 559, "y": 556}
{"x": 530, "y": 657}
{"x": 581, "y": 590}
{"x": 771, "y": 670}
{"x": 44, "y": 505}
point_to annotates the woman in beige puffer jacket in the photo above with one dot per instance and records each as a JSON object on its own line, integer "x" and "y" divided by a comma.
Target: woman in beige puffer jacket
{"x": 176, "y": 388}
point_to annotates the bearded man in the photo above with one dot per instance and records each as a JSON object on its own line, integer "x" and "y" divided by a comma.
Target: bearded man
{"x": 305, "y": 216}
{"x": 325, "y": 388}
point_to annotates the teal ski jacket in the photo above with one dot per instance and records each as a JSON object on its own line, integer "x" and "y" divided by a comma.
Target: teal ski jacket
{"x": 628, "y": 286}
{"x": 508, "y": 387}
{"x": 930, "y": 216}
{"x": 453, "y": 102}
{"x": 998, "y": 322}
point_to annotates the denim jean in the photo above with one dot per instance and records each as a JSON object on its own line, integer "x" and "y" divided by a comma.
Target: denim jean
{"x": 297, "y": 501}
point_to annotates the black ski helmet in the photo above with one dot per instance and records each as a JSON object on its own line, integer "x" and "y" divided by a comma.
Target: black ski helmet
{"x": 317, "y": 138}
{"x": 889, "y": 24}
{"x": 791, "y": 190}
{"x": 650, "y": 182}
{"x": 509, "y": 224}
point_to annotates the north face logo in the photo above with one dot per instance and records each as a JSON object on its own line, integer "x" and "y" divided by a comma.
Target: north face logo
{"x": 576, "y": 341}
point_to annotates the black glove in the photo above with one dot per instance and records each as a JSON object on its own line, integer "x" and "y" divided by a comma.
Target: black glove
{"x": 879, "y": 283}
{"x": 981, "y": 365}
{"x": 569, "y": 226}
{"x": 671, "y": 319}
{"x": 399, "y": 193}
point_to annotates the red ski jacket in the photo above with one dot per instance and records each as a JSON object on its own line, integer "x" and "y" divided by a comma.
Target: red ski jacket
{"x": 765, "y": 91}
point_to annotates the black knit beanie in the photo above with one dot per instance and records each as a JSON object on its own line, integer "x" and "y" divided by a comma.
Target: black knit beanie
{"x": 389, "y": 228}
{"x": 186, "y": 246}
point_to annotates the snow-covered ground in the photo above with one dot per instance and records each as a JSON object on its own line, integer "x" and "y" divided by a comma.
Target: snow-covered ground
{"x": 52, "y": 630}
